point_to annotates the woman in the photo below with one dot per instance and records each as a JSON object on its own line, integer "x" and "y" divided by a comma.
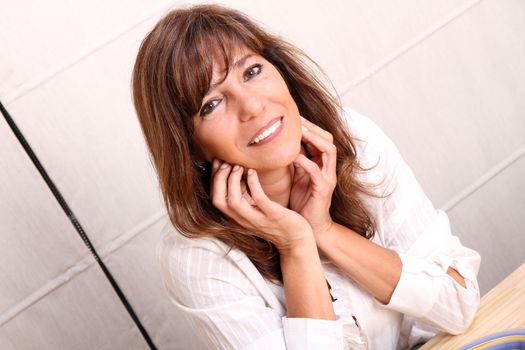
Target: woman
{"x": 299, "y": 225}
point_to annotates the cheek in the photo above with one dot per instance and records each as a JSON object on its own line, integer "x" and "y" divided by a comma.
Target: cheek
{"x": 206, "y": 152}
{"x": 201, "y": 140}
{"x": 216, "y": 137}
{"x": 209, "y": 149}
{"x": 295, "y": 132}
{"x": 215, "y": 145}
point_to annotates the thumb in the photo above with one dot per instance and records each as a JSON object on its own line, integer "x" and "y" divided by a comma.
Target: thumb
{"x": 299, "y": 171}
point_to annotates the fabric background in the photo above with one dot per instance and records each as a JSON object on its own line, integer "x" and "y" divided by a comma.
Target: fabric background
{"x": 445, "y": 79}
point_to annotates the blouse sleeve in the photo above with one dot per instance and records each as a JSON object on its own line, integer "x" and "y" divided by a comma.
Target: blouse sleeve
{"x": 409, "y": 224}
{"x": 227, "y": 312}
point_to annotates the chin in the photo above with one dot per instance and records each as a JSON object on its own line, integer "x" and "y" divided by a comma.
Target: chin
{"x": 281, "y": 158}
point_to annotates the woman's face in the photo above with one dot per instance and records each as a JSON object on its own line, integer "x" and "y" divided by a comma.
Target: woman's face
{"x": 250, "y": 118}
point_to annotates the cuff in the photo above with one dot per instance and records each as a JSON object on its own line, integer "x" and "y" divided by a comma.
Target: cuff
{"x": 418, "y": 286}
{"x": 310, "y": 333}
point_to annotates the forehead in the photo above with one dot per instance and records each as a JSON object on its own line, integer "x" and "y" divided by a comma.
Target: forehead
{"x": 222, "y": 66}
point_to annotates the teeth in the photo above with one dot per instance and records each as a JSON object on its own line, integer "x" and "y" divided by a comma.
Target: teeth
{"x": 266, "y": 132}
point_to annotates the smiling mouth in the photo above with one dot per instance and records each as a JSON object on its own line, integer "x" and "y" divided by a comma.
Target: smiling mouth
{"x": 267, "y": 132}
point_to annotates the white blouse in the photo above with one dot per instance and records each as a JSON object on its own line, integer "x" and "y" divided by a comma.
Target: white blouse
{"x": 231, "y": 306}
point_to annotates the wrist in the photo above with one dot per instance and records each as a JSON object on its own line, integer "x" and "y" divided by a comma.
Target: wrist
{"x": 298, "y": 247}
{"x": 326, "y": 236}
{"x": 323, "y": 228}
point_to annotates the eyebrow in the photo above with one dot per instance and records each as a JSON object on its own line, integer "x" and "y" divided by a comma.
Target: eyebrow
{"x": 239, "y": 63}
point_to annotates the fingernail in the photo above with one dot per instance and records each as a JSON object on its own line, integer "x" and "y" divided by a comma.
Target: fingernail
{"x": 250, "y": 172}
{"x": 304, "y": 128}
{"x": 215, "y": 163}
{"x": 236, "y": 167}
{"x": 224, "y": 165}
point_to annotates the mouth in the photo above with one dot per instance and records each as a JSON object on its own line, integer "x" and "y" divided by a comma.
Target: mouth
{"x": 268, "y": 132}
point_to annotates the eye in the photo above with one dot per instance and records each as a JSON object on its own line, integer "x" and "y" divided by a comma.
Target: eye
{"x": 252, "y": 71}
{"x": 208, "y": 107}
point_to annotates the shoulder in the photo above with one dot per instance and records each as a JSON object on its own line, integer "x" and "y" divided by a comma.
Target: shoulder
{"x": 171, "y": 239}
{"x": 200, "y": 272}
{"x": 362, "y": 127}
{"x": 173, "y": 246}
{"x": 375, "y": 151}
{"x": 369, "y": 139}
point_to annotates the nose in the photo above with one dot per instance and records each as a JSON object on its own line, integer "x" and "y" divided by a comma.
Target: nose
{"x": 251, "y": 105}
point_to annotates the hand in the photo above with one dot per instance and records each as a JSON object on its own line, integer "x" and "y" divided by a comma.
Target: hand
{"x": 253, "y": 210}
{"x": 315, "y": 180}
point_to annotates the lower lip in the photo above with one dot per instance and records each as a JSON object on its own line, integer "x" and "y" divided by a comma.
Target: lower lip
{"x": 272, "y": 136}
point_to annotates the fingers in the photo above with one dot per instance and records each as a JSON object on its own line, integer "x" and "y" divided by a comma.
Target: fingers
{"x": 254, "y": 210}
{"x": 245, "y": 194}
{"x": 259, "y": 197}
{"x": 240, "y": 209}
{"x": 218, "y": 192}
{"x": 228, "y": 195}
{"x": 234, "y": 187}
{"x": 313, "y": 171}
{"x": 318, "y": 130}
{"x": 299, "y": 172}
{"x": 319, "y": 143}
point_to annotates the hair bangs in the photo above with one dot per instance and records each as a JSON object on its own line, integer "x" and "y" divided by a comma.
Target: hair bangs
{"x": 209, "y": 46}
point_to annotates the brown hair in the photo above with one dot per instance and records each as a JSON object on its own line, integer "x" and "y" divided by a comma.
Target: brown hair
{"x": 172, "y": 73}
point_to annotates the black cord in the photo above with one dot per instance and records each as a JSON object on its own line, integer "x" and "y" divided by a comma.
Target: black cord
{"x": 75, "y": 223}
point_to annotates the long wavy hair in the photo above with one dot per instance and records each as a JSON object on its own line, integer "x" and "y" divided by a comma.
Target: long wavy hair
{"x": 172, "y": 73}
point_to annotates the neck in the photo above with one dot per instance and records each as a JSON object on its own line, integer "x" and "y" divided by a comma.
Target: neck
{"x": 277, "y": 184}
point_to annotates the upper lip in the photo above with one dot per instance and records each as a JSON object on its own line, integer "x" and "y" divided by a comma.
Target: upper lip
{"x": 270, "y": 123}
